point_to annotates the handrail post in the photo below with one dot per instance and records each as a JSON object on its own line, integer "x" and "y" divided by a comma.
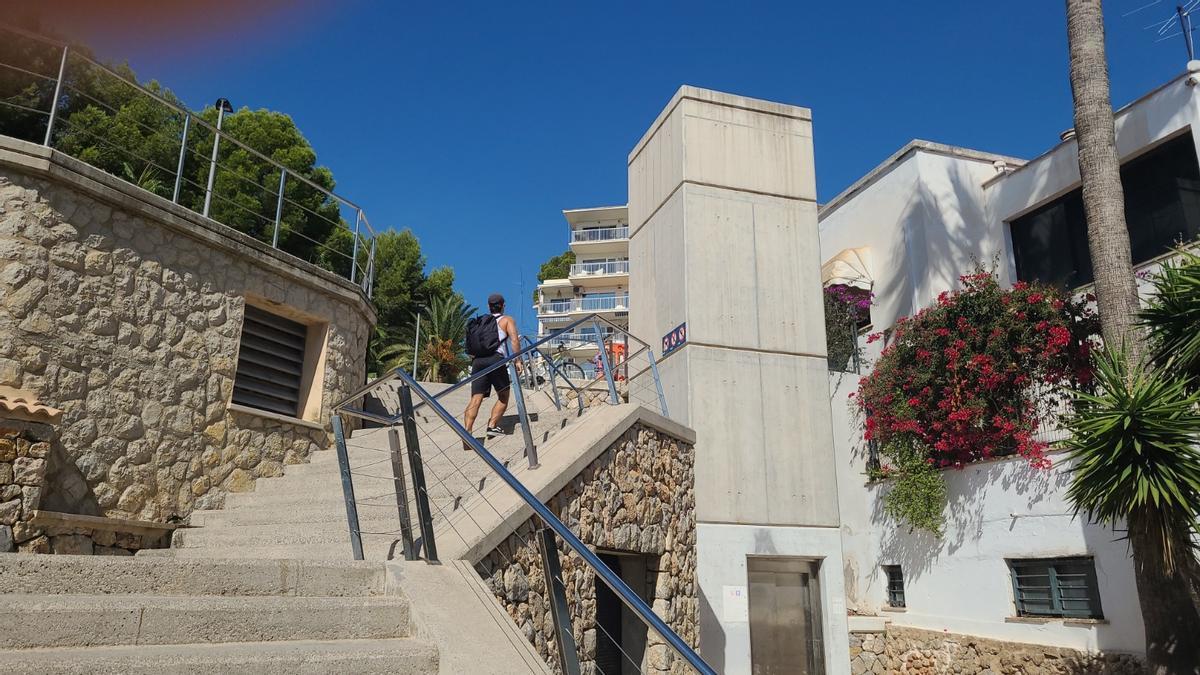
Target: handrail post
{"x": 406, "y": 535}
{"x": 62, "y": 70}
{"x": 279, "y": 208}
{"x": 187, "y": 121}
{"x": 522, "y": 413}
{"x": 568, "y": 654}
{"x": 371, "y": 270}
{"x": 339, "y": 437}
{"x": 662, "y": 397}
{"x": 418, "y": 473}
{"x": 212, "y": 167}
{"x": 605, "y": 363}
{"x": 354, "y": 254}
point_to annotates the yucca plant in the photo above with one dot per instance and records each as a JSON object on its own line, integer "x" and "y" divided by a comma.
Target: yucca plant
{"x": 1135, "y": 458}
{"x": 1172, "y": 315}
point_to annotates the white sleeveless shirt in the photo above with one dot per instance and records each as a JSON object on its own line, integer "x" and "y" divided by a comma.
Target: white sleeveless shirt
{"x": 502, "y": 350}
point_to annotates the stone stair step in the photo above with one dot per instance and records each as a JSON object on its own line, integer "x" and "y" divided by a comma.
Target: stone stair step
{"x": 63, "y": 574}
{"x": 400, "y": 656}
{"x": 34, "y": 621}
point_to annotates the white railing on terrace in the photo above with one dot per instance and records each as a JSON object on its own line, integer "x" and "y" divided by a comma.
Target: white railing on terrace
{"x": 595, "y": 268}
{"x": 599, "y": 234}
{"x": 44, "y": 83}
{"x": 605, "y": 304}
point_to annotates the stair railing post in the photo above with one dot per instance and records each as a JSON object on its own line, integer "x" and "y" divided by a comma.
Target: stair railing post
{"x": 187, "y": 122}
{"x": 417, "y": 468}
{"x": 568, "y": 655}
{"x": 662, "y": 398}
{"x": 406, "y": 534}
{"x": 62, "y": 71}
{"x": 522, "y": 413}
{"x": 339, "y": 437}
{"x": 279, "y": 208}
{"x": 607, "y": 365}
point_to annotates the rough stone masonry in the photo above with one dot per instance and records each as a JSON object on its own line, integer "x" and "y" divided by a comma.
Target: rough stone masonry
{"x": 128, "y": 318}
{"x": 636, "y": 497}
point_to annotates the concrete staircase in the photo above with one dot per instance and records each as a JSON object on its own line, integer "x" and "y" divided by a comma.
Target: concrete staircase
{"x": 302, "y": 514}
{"x": 67, "y": 614}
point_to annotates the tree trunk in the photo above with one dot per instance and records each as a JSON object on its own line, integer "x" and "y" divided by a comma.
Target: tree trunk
{"x": 1165, "y": 595}
{"x": 1168, "y": 612}
{"x": 1100, "y": 171}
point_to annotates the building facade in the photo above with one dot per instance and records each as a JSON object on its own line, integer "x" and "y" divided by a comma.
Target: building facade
{"x": 906, "y": 232}
{"x": 597, "y": 283}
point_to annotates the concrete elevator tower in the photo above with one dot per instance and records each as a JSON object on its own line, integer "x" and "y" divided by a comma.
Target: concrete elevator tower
{"x": 725, "y": 266}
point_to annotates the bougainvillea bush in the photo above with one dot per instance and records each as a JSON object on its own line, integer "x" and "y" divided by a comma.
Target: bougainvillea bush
{"x": 846, "y": 308}
{"x": 972, "y": 377}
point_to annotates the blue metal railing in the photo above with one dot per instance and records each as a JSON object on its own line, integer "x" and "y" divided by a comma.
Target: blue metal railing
{"x": 552, "y": 525}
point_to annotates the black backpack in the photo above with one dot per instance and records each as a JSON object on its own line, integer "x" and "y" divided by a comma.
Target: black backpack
{"x": 483, "y": 339}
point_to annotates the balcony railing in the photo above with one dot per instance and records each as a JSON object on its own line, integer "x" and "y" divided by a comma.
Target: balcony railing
{"x": 599, "y": 234}
{"x": 603, "y": 304}
{"x": 597, "y": 268}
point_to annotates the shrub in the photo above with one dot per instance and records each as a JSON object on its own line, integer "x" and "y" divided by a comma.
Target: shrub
{"x": 972, "y": 377}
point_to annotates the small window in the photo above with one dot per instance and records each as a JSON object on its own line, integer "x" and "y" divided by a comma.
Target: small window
{"x": 895, "y": 585}
{"x": 270, "y": 368}
{"x": 1060, "y": 587}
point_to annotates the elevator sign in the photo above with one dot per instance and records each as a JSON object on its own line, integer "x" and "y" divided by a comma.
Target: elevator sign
{"x": 675, "y": 339}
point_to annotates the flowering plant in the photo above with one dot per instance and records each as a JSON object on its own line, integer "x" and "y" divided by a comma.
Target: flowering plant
{"x": 973, "y": 376}
{"x": 846, "y": 309}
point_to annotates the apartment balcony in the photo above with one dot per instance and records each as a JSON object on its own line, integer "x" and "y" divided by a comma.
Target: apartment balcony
{"x": 594, "y": 274}
{"x": 600, "y": 241}
{"x": 608, "y": 305}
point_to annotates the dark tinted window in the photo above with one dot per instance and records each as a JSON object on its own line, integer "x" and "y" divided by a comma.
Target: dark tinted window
{"x": 1162, "y": 207}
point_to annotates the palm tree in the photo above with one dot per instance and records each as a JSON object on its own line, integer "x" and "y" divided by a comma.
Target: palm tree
{"x": 440, "y": 356}
{"x": 1162, "y": 561}
{"x": 1100, "y": 171}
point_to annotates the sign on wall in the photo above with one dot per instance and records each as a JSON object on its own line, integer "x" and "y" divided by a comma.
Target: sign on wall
{"x": 675, "y": 339}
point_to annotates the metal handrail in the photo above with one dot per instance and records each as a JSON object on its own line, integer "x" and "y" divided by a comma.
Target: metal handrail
{"x": 610, "y": 578}
{"x": 191, "y": 119}
{"x": 343, "y": 406}
{"x": 600, "y": 234}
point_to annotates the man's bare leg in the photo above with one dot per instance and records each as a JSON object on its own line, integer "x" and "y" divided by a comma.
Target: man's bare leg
{"x": 499, "y": 408}
{"x": 471, "y": 413}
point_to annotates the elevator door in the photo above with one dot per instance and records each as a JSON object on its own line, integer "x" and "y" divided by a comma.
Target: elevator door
{"x": 785, "y": 616}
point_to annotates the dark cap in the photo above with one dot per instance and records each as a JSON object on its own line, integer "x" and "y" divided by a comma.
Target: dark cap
{"x": 495, "y": 299}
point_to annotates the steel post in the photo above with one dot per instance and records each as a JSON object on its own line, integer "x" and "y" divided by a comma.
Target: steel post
{"x": 212, "y": 167}
{"x": 522, "y": 413}
{"x": 62, "y": 70}
{"x": 662, "y": 397}
{"x": 406, "y": 535}
{"x": 187, "y": 121}
{"x": 568, "y": 654}
{"x": 343, "y": 457}
{"x": 354, "y": 254}
{"x": 371, "y": 271}
{"x": 279, "y": 208}
{"x": 417, "y": 468}
{"x": 606, "y": 364}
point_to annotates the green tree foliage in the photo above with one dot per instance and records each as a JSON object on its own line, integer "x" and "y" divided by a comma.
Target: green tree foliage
{"x": 555, "y": 268}
{"x": 1172, "y": 316}
{"x": 441, "y": 356}
{"x": 109, "y": 123}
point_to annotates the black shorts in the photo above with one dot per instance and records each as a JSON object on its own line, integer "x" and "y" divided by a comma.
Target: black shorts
{"x": 497, "y": 379}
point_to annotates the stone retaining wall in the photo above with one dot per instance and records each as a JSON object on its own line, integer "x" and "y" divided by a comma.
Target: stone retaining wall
{"x": 921, "y": 652}
{"x": 126, "y": 312}
{"x": 636, "y": 497}
{"x": 24, "y": 447}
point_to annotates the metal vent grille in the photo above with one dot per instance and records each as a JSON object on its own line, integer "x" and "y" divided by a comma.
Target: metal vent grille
{"x": 270, "y": 363}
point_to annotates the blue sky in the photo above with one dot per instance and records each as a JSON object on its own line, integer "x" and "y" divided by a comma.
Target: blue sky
{"x": 475, "y": 124}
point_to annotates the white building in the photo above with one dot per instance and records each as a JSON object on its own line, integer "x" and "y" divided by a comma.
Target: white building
{"x": 907, "y": 230}
{"x": 597, "y": 283}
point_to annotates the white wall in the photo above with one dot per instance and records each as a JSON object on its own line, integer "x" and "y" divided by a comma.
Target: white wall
{"x": 961, "y": 583}
{"x": 925, "y": 223}
{"x": 926, "y": 220}
{"x": 727, "y": 642}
